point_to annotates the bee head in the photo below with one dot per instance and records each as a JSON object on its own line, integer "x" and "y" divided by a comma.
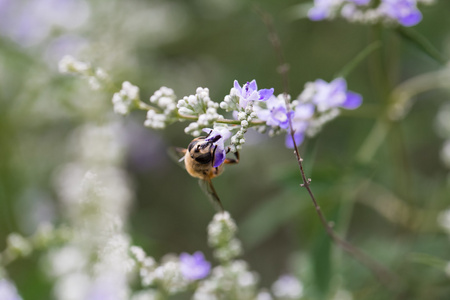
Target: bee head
{"x": 203, "y": 149}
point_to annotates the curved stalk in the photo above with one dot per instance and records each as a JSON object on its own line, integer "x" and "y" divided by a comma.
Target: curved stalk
{"x": 384, "y": 275}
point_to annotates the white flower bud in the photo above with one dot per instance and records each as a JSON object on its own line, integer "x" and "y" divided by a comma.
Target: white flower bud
{"x": 287, "y": 287}
{"x": 192, "y": 100}
{"x": 131, "y": 91}
{"x": 19, "y": 245}
{"x": 94, "y": 83}
{"x": 241, "y": 116}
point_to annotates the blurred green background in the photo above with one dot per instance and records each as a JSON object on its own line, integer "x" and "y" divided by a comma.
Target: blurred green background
{"x": 386, "y": 204}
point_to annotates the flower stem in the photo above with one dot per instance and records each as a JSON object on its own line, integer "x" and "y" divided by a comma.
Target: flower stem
{"x": 222, "y": 121}
{"x": 384, "y": 275}
{"x": 144, "y": 106}
{"x": 358, "y": 59}
{"x": 373, "y": 141}
{"x": 422, "y": 43}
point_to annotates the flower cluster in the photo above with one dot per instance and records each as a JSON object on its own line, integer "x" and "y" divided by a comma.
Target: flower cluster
{"x": 318, "y": 104}
{"x": 116, "y": 260}
{"x": 234, "y": 279}
{"x": 96, "y": 77}
{"x": 126, "y": 98}
{"x": 241, "y": 101}
{"x": 174, "y": 274}
{"x": 221, "y": 237}
{"x": 18, "y": 246}
{"x": 165, "y": 100}
{"x": 201, "y": 107}
{"x": 250, "y": 107}
{"x": 403, "y": 12}
{"x": 94, "y": 192}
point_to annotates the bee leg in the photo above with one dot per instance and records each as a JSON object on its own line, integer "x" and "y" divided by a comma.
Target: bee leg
{"x": 230, "y": 161}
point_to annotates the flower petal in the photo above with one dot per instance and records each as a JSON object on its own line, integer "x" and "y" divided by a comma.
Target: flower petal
{"x": 352, "y": 101}
{"x": 237, "y": 86}
{"x": 411, "y": 19}
{"x": 263, "y": 114}
{"x": 194, "y": 267}
{"x": 339, "y": 84}
{"x": 252, "y": 85}
{"x": 265, "y": 94}
{"x": 298, "y": 136}
{"x": 317, "y": 14}
{"x": 304, "y": 111}
{"x": 219, "y": 157}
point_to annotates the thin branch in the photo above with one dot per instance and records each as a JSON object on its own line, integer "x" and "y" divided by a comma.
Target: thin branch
{"x": 222, "y": 121}
{"x": 384, "y": 275}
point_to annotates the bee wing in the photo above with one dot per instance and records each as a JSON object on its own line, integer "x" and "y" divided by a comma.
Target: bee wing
{"x": 208, "y": 188}
{"x": 177, "y": 154}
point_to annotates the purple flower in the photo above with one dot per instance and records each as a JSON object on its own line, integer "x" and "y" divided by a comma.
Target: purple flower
{"x": 404, "y": 11}
{"x": 217, "y": 137}
{"x": 35, "y": 21}
{"x": 334, "y": 94}
{"x": 300, "y": 122}
{"x": 8, "y": 291}
{"x": 322, "y": 9}
{"x": 275, "y": 114}
{"x": 250, "y": 92}
{"x": 194, "y": 266}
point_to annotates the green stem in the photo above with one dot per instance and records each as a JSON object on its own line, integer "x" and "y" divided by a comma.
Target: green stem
{"x": 345, "y": 71}
{"x": 401, "y": 96}
{"x": 373, "y": 141}
{"x": 382, "y": 125}
{"x": 223, "y": 121}
{"x": 422, "y": 43}
{"x": 144, "y": 106}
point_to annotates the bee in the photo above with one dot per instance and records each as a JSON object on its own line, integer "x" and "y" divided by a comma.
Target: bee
{"x": 200, "y": 162}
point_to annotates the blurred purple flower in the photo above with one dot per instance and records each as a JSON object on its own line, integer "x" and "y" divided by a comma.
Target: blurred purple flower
{"x": 217, "y": 137}
{"x": 250, "y": 92}
{"x": 194, "y": 266}
{"x": 300, "y": 122}
{"x": 404, "y": 11}
{"x": 334, "y": 94}
{"x": 322, "y": 9}
{"x": 8, "y": 291}
{"x": 287, "y": 287}
{"x": 31, "y": 22}
{"x": 67, "y": 44}
{"x": 275, "y": 114}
